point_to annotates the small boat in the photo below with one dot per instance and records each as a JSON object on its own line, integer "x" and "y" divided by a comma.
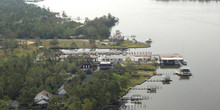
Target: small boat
{"x": 151, "y": 88}
{"x": 183, "y": 62}
{"x": 149, "y": 40}
{"x": 184, "y": 71}
{"x": 136, "y": 98}
{"x": 166, "y": 78}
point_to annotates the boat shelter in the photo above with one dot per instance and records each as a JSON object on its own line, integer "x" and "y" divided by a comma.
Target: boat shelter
{"x": 171, "y": 60}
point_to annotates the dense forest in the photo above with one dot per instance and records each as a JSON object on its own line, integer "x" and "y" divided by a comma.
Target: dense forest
{"x": 22, "y": 77}
{"x": 28, "y": 21}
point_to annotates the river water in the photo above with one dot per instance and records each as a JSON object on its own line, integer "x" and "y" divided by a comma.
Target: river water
{"x": 189, "y": 28}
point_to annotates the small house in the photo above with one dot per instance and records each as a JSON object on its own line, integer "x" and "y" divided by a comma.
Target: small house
{"x": 116, "y": 39}
{"x": 43, "y": 98}
{"x": 86, "y": 67}
{"x": 61, "y": 90}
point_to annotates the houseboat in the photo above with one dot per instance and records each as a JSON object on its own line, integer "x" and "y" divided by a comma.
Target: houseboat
{"x": 184, "y": 71}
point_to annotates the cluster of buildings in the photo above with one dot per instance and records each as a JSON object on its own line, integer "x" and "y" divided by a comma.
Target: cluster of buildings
{"x": 105, "y": 60}
{"x": 44, "y": 97}
{"x": 116, "y": 39}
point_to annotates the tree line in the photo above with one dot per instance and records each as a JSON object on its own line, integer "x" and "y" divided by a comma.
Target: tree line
{"x": 29, "y": 21}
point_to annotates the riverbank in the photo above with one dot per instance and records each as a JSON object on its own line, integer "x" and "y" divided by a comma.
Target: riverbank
{"x": 137, "y": 79}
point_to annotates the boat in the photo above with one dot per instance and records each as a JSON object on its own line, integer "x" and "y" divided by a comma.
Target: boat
{"x": 136, "y": 98}
{"x": 183, "y": 62}
{"x": 149, "y": 40}
{"x": 151, "y": 87}
{"x": 166, "y": 78}
{"x": 184, "y": 71}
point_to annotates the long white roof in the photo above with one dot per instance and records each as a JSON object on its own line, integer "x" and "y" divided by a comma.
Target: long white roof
{"x": 172, "y": 58}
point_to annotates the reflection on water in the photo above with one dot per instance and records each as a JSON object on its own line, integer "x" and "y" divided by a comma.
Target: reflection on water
{"x": 150, "y": 91}
{"x": 184, "y": 77}
{"x": 166, "y": 82}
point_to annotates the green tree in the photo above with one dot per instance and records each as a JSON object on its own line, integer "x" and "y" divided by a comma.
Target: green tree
{"x": 37, "y": 42}
{"x": 81, "y": 75}
{"x": 127, "y": 61}
{"x": 87, "y": 104}
{"x": 54, "y": 42}
{"x": 54, "y": 104}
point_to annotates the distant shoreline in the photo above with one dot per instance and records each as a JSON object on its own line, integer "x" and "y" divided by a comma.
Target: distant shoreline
{"x": 85, "y": 44}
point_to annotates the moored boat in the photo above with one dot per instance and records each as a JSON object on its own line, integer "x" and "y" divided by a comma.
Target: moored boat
{"x": 184, "y": 71}
{"x": 136, "y": 98}
{"x": 149, "y": 40}
{"x": 166, "y": 78}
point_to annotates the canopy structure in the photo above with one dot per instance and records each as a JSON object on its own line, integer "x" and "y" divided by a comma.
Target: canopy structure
{"x": 172, "y": 57}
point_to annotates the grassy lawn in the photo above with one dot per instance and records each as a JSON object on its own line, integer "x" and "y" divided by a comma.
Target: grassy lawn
{"x": 145, "y": 67}
{"x": 169, "y": 66}
{"x": 130, "y": 44}
{"x": 138, "y": 80}
{"x": 140, "y": 77}
{"x": 125, "y": 43}
{"x": 133, "y": 82}
{"x": 64, "y": 43}
{"x": 145, "y": 73}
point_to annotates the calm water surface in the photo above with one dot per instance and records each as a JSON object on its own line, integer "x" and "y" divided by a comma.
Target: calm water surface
{"x": 189, "y": 28}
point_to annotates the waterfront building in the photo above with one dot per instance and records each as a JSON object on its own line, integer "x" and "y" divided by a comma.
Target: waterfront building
{"x": 170, "y": 59}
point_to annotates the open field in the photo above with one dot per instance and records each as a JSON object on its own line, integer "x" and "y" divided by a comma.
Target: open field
{"x": 84, "y": 43}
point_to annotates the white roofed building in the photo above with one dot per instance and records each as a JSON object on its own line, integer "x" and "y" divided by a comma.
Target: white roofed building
{"x": 43, "y": 98}
{"x": 171, "y": 59}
